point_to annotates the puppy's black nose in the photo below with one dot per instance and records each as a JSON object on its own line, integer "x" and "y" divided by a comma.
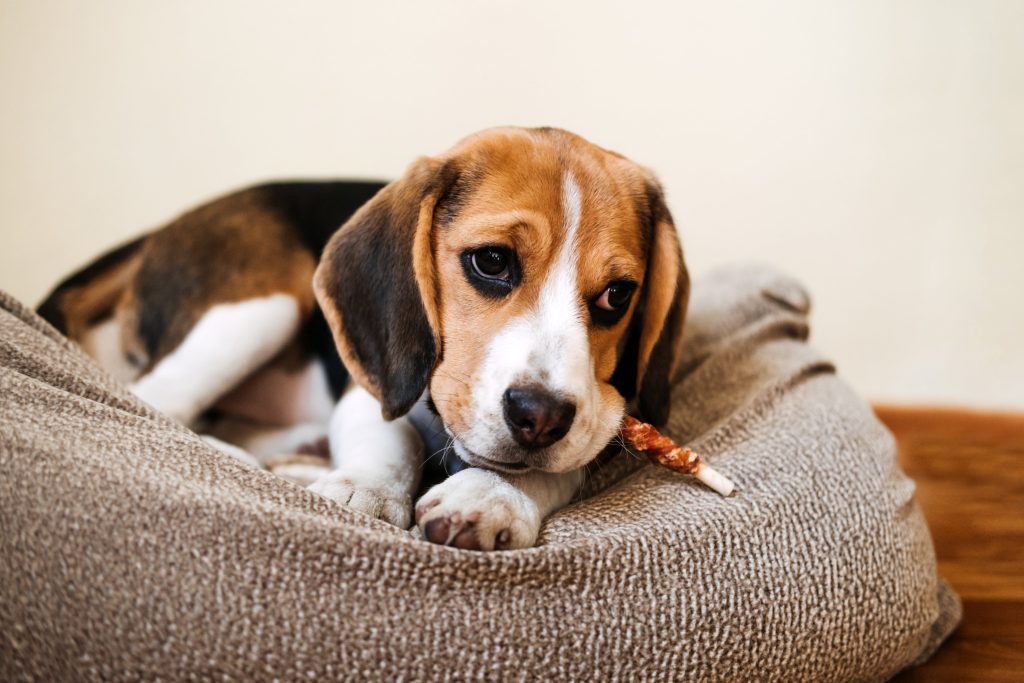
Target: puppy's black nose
{"x": 536, "y": 417}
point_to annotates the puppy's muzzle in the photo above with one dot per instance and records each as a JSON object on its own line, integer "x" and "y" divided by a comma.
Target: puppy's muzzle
{"x": 536, "y": 417}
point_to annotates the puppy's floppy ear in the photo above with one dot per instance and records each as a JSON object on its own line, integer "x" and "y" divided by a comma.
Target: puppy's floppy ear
{"x": 651, "y": 353}
{"x": 376, "y": 286}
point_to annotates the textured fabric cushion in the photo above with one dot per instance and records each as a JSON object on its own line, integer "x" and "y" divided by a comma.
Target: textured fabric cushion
{"x": 129, "y": 549}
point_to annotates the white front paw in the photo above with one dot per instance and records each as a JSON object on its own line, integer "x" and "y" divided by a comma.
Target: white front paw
{"x": 369, "y": 493}
{"x": 478, "y": 510}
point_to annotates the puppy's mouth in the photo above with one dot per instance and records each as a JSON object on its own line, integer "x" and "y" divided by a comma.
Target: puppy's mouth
{"x": 476, "y": 460}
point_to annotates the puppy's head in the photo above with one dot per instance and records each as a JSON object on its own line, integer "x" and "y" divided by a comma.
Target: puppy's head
{"x": 531, "y": 280}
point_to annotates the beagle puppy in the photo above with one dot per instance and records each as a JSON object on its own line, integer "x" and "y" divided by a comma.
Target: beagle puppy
{"x": 504, "y": 303}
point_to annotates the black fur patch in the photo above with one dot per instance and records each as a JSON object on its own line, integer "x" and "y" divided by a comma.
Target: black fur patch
{"x": 318, "y": 209}
{"x": 655, "y": 390}
{"x": 624, "y": 377}
{"x": 199, "y": 253}
{"x": 369, "y": 275}
{"x": 653, "y": 397}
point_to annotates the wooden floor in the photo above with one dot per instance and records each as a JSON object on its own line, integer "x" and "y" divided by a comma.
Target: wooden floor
{"x": 969, "y": 469}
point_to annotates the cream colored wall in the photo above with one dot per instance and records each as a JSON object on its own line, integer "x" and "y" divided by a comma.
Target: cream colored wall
{"x": 874, "y": 149}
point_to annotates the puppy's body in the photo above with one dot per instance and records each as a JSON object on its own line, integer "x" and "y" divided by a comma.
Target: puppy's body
{"x": 525, "y": 285}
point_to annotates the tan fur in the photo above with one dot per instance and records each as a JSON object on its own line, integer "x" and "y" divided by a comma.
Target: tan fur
{"x": 663, "y": 291}
{"x": 508, "y": 192}
{"x": 263, "y": 258}
{"x": 234, "y": 248}
{"x": 503, "y": 187}
{"x": 519, "y": 205}
{"x": 345, "y": 349}
{"x": 84, "y": 305}
{"x": 499, "y": 187}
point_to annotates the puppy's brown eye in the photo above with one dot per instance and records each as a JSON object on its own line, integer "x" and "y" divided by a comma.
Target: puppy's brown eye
{"x": 491, "y": 263}
{"x": 493, "y": 271}
{"x": 616, "y": 296}
{"x": 609, "y": 308}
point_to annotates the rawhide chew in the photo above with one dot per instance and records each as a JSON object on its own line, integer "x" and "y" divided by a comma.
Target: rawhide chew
{"x": 655, "y": 446}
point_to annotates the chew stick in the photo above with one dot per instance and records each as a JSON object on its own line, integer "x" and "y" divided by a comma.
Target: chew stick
{"x": 664, "y": 451}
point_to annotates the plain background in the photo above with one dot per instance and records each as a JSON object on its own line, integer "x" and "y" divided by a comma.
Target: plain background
{"x": 873, "y": 149}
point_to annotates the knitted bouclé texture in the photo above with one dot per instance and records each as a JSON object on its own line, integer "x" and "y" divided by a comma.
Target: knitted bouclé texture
{"x": 130, "y": 550}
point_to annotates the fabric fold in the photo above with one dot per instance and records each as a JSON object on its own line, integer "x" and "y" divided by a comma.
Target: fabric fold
{"x": 129, "y": 549}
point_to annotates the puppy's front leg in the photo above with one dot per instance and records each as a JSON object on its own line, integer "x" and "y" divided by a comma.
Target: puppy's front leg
{"x": 377, "y": 462}
{"x": 478, "y": 509}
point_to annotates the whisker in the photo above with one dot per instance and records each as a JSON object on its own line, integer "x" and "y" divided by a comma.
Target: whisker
{"x": 586, "y": 473}
{"x": 439, "y": 453}
{"x": 617, "y": 439}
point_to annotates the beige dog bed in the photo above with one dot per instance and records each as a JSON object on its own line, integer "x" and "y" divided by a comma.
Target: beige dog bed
{"x": 130, "y": 550}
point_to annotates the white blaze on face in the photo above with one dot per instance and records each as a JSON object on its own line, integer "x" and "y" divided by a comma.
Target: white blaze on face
{"x": 562, "y": 350}
{"x": 548, "y": 346}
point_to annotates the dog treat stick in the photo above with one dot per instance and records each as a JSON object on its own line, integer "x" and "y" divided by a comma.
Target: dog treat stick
{"x": 664, "y": 451}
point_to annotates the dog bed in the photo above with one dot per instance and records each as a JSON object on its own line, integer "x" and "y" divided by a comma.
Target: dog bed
{"x": 131, "y": 550}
